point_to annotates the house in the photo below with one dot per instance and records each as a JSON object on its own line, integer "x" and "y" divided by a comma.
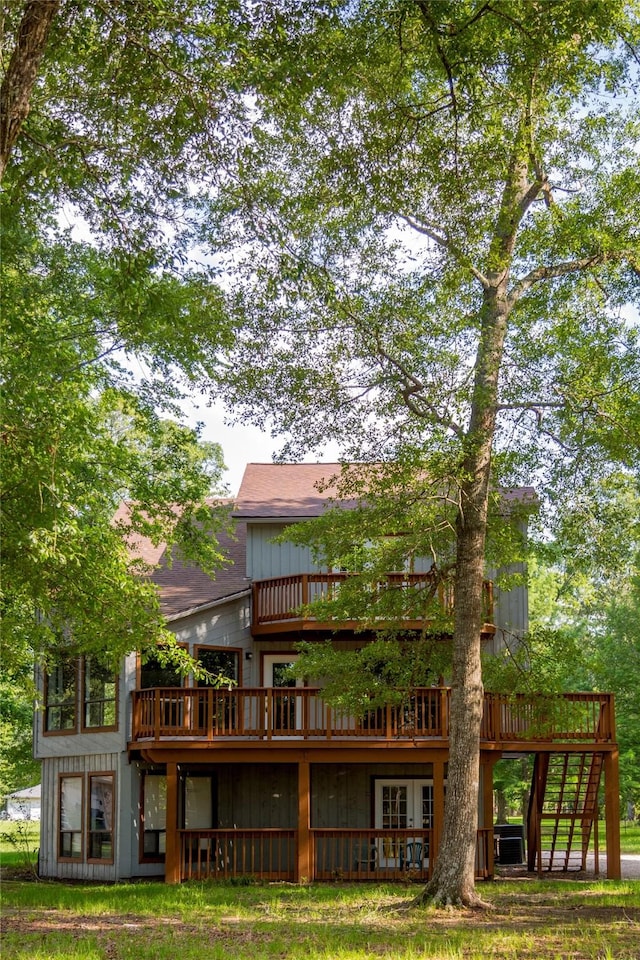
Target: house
{"x": 23, "y": 804}
{"x": 152, "y": 774}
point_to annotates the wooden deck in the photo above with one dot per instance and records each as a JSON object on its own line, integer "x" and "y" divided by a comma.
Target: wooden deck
{"x": 267, "y": 716}
{"x": 280, "y": 604}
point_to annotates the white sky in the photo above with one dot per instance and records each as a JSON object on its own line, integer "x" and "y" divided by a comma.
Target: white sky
{"x": 241, "y": 443}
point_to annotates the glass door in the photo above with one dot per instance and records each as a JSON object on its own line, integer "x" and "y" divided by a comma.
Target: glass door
{"x": 284, "y": 710}
{"x": 400, "y": 805}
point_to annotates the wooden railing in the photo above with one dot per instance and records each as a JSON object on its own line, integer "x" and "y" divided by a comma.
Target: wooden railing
{"x": 283, "y": 600}
{"x": 220, "y": 854}
{"x": 337, "y": 854}
{"x": 267, "y": 713}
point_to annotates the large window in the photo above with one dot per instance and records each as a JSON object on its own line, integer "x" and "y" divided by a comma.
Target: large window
{"x": 198, "y": 802}
{"x": 155, "y": 674}
{"x": 100, "y": 687}
{"x": 220, "y": 662}
{"x": 154, "y": 816}
{"x": 100, "y": 838}
{"x": 61, "y": 697}
{"x": 70, "y": 818}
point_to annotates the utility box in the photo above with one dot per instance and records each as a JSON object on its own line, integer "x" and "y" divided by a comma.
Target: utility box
{"x": 509, "y": 840}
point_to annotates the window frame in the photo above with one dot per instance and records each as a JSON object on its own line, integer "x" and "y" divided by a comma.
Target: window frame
{"x": 202, "y": 684}
{"x": 89, "y": 728}
{"x": 74, "y": 664}
{"x": 91, "y": 831}
{"x": 140, "y": 665}
{"x": 143, "y": 856}
{"x": 64, "y": 858}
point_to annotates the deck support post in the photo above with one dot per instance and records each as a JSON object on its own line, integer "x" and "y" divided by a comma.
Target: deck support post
{"x": 487, "y": 765}
{"x": 304, "y": 866}
{"x": 172, "y": 855}
{"x": 612, "y": 813}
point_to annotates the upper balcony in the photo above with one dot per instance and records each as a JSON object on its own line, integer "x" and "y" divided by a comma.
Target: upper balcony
{"x": 288, "y": 716}
{"x": 280, "y": 604}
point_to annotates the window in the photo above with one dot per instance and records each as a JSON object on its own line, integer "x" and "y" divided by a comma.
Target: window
{"x": 100, "y": 686}
{"x": 198, "y": 802}
{"x": 100, "y": 845}
{"x": 154, "y": 816}
{"x": 60, "y": 697}
{"x": 155, "y": 674}
{"x": 219, "y": 662}
{"x": 70, "y": 818}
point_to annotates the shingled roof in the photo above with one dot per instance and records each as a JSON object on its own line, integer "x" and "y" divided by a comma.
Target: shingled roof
{"x": 183, "y": 586}
{"x": 271, "y": 490}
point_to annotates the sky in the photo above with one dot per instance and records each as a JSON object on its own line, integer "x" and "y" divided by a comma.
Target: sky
{"x": 241, "y": 443}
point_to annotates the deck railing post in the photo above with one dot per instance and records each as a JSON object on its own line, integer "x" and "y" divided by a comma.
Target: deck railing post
{"x": 388, "y": 723}
{"x": 156, "y": 713}
{"x": 269, "y": 712}
{"x": 210, "y": 718}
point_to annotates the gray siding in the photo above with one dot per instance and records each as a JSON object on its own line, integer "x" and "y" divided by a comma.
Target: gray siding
{"x": 267, "y": 559}
{"x": 511, "y": 614}
{"x": 226, "y": 625}
{"x": 80, "y": 744}
{"x": 260, "y": 795}
{"x": 342, "y": 794}
{"x": 52, "y": 769}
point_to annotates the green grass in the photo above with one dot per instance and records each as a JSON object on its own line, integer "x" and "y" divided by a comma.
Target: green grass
{"x": 19, "y": 842}
{"x": 629, "y": 837}
{"x": 206, "y": 921}
{"x": 529, "y": 920}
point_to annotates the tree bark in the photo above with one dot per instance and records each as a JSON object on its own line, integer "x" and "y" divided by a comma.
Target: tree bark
{"x": 18, "y": 82}
{"x": 453, "y": 880}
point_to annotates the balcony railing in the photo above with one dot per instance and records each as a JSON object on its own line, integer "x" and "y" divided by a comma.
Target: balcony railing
{"x": 279, "y": 603}
{"x": 337, "y": 854}
{"x": 267, "y": 714}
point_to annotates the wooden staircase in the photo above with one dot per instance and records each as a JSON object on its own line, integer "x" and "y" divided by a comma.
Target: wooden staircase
{"x": 563, "y": 808}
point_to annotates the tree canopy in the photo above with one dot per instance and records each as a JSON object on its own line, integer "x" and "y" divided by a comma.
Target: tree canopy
{"x": 431, "y": 230}
{"x": 426, "y": 214}
{"x": 105, "y": 324}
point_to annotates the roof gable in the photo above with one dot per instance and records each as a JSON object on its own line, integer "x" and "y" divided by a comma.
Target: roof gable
{"x": 285, "y": 490}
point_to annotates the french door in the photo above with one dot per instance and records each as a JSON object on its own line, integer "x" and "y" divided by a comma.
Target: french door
{"x": 401, "y": 804}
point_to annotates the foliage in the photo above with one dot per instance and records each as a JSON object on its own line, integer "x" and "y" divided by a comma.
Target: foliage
{"x": 18, "y": 769}
{"x": 21, "y": 838}
{"x": 104, "y": 325}
{"x": 380, "y": 672}
{"x": 433, "y": 237}
{"x": 585, "y": 593}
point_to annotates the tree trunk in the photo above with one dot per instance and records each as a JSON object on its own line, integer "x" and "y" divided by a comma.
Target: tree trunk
{"x": 17, "y": 84}
{"x": 453, "y": 881}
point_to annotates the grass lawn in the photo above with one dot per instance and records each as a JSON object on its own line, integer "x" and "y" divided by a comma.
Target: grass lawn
{"x": 210, "y": 921}
{"x": 529, "y": 920}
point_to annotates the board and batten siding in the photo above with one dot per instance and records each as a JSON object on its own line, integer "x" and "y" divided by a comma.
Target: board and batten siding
{"x": 511, "y": 613}
{"x": 267, "y": 559}
{"x": 52, "y": 769}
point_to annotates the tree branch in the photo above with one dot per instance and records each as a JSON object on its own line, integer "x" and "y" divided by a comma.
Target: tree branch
{"x": 18, "y": 82}
{"x": 558, "y": 270}
{"x": 446, "y": 244}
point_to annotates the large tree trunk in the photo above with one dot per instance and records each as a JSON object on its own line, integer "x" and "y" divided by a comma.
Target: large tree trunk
{"x": 453, "y": 881}
{"x": 18, "y": 81}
